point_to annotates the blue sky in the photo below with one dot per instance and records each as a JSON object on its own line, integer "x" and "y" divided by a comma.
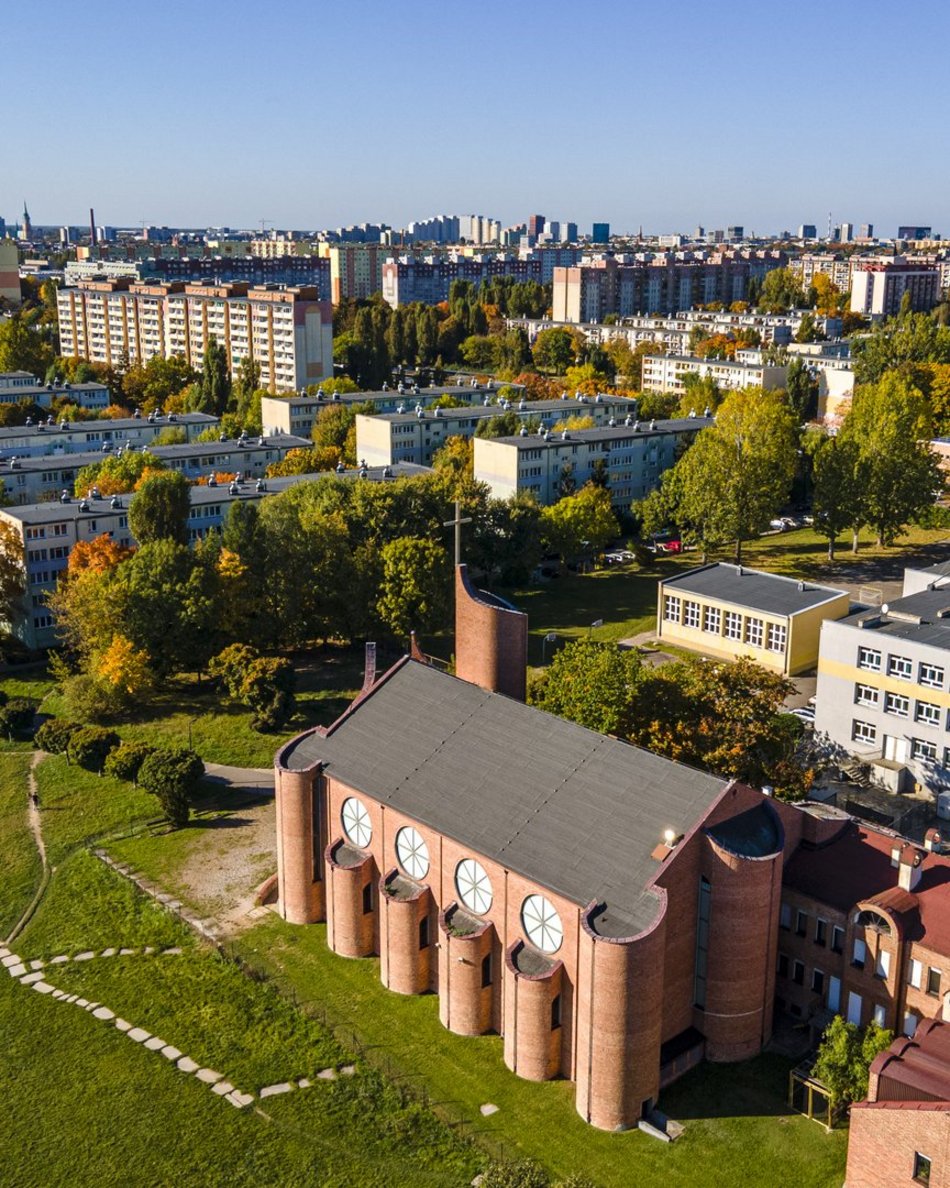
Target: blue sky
{"x": 312, "y": 114}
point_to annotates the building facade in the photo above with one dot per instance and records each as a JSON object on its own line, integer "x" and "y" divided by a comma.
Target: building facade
{"x": 356, "y": 269}
{"x": 417, "y": 436}
{"x": 630, "y": 456}
{"x": 49, "y": 438}
{"x": 883, "y": 693}
{"x": 731, "y": 611}
{"x": 878, "y": 288}
{"x": 667, "y": 373}
{"x": 9, "y": 271}
{"x": 287, "y": 332}
{"x": 429, "y": 279}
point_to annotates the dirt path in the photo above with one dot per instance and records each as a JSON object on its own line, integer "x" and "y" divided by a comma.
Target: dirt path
{"x": 36, "y": 828}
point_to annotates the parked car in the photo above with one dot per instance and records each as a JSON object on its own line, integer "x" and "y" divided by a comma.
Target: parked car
{"x": 805, "y": 713}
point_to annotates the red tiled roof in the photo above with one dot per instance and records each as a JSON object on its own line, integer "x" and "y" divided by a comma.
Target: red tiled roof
{"x": 921, "y": 1066}
{"x": 856, "y": 867}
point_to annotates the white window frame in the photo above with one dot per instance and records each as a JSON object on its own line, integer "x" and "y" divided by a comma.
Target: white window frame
{"x": 864, "y": 732}
{"x": 754, "y": 632}
{"x": 882, "y": 964}
{"x": 923, "y": 748}
{"x": 776, "y": 637}
{"x": 733, "y": 626}
{"x": 900, "y": 667}
{"x": 869, "y": 659}
{"x": 930, "y": 682}
{"x": 691, "y": 614}
{"x": 712, "y": 620}
{"x": 916, "y": 974}
{"x": 926, "y": 711}
{"x": 866, "y": 695}
{"x": 897, "y": 704}
{"x": 672, "y": 608}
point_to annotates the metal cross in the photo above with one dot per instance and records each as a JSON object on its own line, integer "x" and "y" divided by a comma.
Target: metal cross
{"x": 457, "y": 525}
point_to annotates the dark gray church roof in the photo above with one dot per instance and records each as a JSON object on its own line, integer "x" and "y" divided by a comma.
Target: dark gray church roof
{"x": 572, "y": 810}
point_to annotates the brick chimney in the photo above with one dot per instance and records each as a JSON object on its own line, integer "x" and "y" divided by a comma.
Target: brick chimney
{"x": 909, "y": 863}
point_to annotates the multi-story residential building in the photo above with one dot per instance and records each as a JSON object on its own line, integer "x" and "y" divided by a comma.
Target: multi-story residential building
{"x": 417, "y": 436}
{"x": 308, "y": 271}
{"x": 428, "y": 280}
{"x": 20, "y": 385}
{"x": 673, "y": 332}
{"x": 629, "y": 455}
{"x": 288, "y": 332}
{"x": 667, "y": 373}
{"x": 883, "y": 693}
{"x": 35, "y": 479}
{"x": 356, "y": 269}
{"x": 50, "y": 438}
{"x": 48, "y": 532}
{"x": 878, "y": 287}
{"x": 589, "y": 291}
{"x": 833, "y": 265}
{"x": 732, "y": 611}
{"x": 9, "y": 271}
{"x": 297, "y": 414}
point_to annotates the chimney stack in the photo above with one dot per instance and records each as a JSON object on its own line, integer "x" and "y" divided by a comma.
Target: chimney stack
{"x": 909, "y": 864}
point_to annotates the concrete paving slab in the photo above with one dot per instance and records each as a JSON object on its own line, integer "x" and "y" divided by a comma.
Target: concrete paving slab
{"x": 108, "y": 953}
{"x": 276, "y": 1090}
{"x": 30, "y": 978}
{"x": 139, "y": 1035}
{"x": 223, "y": 1088}
{"x": 87, "y": 956}
{"x": 187, "y": 1065}
{"x": 208, "y": 1075}
{"x": 58, "y": 960}
{"x": 103, "y": 1013}
{"x": 304, "y": 1083}
{"x": 10, "y": 959}
{"x": 170, "y": 1053}
{"x": 43, "y": 987}
{"x": 327, "y": 1074}
{"x": 37, "y": 964}
{"x": 348, "y": 1070}
{"x": 239, "y": 1099}
{"x": 154, "y": 1044}
{"x": 123, "y": 1025}
{"x": 16, "y": 971}
{"x": 487, "y": 1109}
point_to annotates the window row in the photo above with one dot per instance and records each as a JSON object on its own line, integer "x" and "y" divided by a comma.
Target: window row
{"x": 539, "y": 917}
{"x": 746, "y": 629}
{"x": 898, "y": 704}
{"x": 821, "y": 933}
{"x": 902, "y": 667}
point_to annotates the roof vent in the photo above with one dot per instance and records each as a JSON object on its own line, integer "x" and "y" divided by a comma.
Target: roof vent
{"x": 234, "y": 489}
{"x": 212, "y": 481}
{"x": 523, "y": 431}
{"x": 64, "y": 497}
{"x": 340, "y": 467}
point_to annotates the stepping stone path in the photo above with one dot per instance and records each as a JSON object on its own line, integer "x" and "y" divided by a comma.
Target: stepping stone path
{"x": 488, "y": 1109}
{"x": 154, "y": 1044}
{"x": 139, "y": 1035}
{"x": 274, "y": 1090}
{"x": 187, "y": 1065}
{"x": 103, "y": 1013}
{"x": 348, "y": 1070}
{"x": 170, "y": 1053}
{"x": 30, "y": 978}
{"x": 16, "y": 971}
{"x": 239, "y": 1099}
{"x": 122, "y": 1025}
{"x": 210, "y": 1077}
{"x": 43, "y": 987}
{"x": 222, "y": 1088}
{"x": 327, "y": 1074}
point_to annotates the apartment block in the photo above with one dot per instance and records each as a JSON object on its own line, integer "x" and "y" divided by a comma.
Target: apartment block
{"x": 9, "y": 271}
{"x": 667, "y": 373}
{"x": 589, "y": 291}
{"x": 52, "y": 439}
{"x": 630, "y": 455}
{"x": 731, "y": 611}
{"x": 356, "y": 269}
{"x": 297, "y": 414}
{"x": 878, "y": 288}
{"x": 36, "y": 479}
{"x": 48, "y": 532}
{"x": 883, "y": 693}
{"x": 428, "y": 280}
{"x": 288, "y": 332}
{"x": 417, "y": 436}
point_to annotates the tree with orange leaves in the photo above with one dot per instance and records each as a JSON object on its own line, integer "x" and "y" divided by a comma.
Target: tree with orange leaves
{"x": 100, "y": 555}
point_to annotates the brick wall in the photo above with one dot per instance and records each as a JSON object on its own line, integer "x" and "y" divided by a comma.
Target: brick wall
{"x": 491, "y": 642}
{"x": 884, "y": 1138}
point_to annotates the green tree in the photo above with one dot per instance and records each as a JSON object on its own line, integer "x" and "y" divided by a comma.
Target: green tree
{"x": 808, "y": 330}
{"x": 26, "y": 344}
{"x": 160, "y": 508}
{"x": 590, "y": 683}
{"x": 172, "y": 775}
{"x": 480, "y": 352}
{"x": 737, "y": 474}
{"x": 268, "y": 691}
{"x": 415, "y": 590}
{"x": 553, "y": 350}
{"x": 838, "y": 500}
{"x": 505, "y": 542}
{"x": 12, "y": 576}
{"x": 54, "y": 735}
{"x": 889, "y": 426}
{"x": 914, "y": 338}
{"x": 802, "y": 389}
{"x": 844, "y": 1058}
{"x": 116, "y": 474}
{"x": 125, "y": 762}
{"x": 214, "y": 387}
{"x": 780, "y": 291}
{"x": 579, "y": 523}
{"x": 90, "y": 747}
{"x": 17, "y": 715}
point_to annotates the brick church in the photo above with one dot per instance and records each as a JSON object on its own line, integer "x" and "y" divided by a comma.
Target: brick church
{"x": 614, "y": 915}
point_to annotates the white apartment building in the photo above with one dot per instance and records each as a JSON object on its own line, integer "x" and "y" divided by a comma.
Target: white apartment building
{"x": 287, "y": 331}
{"x": 667, "y": 373}
{"x": 629, "y": 455}
{"x": 48, "y": 532}
{"x": 49, "y": 438}
{"x": 878, "y": 287}
{"x": 417, "y": 436}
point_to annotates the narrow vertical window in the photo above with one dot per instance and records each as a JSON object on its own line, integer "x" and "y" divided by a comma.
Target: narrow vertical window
{"x": 702, "y": 943}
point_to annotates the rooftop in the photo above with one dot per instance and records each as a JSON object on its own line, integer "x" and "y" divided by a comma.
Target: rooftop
{"x": 918, "y": 1069}
{"x": 46, "y": 428}
{"x": 621, "y": 433}
{"x": 856, "y": 866}
{"x": 922, "y": 618}
{"x": 752, "y": 588}
{"x": 574, "y": 811}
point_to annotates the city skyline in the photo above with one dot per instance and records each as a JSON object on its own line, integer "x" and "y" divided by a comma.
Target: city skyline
{"x": 328, "y": 125}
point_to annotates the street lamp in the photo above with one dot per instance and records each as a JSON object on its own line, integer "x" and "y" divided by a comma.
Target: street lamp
{"x": 596, "y": 623}
{"x": 551, "y": 637}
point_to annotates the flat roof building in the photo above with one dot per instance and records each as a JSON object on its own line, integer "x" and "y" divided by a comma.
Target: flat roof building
{"x": 417, "y": 436}
{"x": 730, "y": 611}
{"x": 667, "y": 373}
{"x": 878, "y": 287}
{"x": 287, "y": 332}
{"x": 48, "y": 437}
{"x": 629, "y": 455}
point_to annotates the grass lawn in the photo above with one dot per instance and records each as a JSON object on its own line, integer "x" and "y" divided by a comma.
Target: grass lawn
{"x": 18, "y": 857}
{"x": 83, "y": 1105}
{"x": 738, "y": 1128}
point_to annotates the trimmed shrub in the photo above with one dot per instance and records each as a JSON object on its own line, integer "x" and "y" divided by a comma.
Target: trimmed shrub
{"x": 90, "y": 747}
{"x": 268, "y": 690}
{"x": 172, "y": 776}
{"x": 230, "y": 667}
{"x": 16, "y": 717}
{"x": 54, "y": 735}
{"x": 125, "y": 762}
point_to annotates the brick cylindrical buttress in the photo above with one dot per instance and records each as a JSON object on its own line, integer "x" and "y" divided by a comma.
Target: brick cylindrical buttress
{"x": 299, "y": 886}
{"x": 350, "y": 883}
{"x": 465, "y": 1001}
{"x": 404, "y": 907}
{"x": 532, "y": 1032}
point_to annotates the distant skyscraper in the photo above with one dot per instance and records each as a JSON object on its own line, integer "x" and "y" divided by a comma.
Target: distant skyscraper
{"x": 535, "y": 225}
{"x": 867, "y": 230}
{"x": 568, "y": 233}
{"x": 808, "y": 231}
{"x": 735, "y": 233}
{"x": 847, "y": 232}
{"x": 600, "y": 233}
{"x": 910, "y": 232}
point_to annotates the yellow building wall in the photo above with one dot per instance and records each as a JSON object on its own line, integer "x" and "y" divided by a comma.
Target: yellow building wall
{"x": 803, "y": 631}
